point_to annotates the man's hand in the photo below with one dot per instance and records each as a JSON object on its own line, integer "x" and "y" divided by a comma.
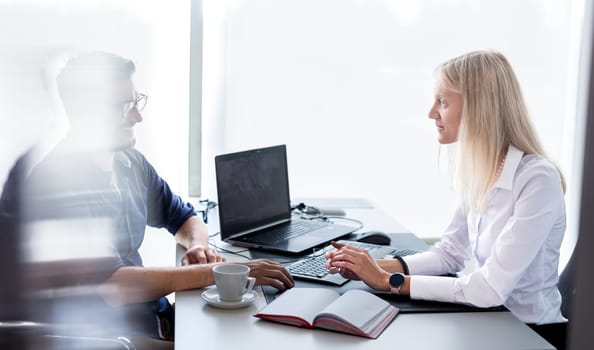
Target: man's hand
{"x": 193, "y": 235}
{"x": 270, "y": 273}
{"x": 199, "y": 254}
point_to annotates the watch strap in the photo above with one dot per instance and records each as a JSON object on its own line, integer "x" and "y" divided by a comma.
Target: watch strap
{"x": 395, "y": 290}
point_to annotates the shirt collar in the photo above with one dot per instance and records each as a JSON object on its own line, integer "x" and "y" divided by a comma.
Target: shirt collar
{"x": 512, "y": 161}
{"x": 122, "y": 158}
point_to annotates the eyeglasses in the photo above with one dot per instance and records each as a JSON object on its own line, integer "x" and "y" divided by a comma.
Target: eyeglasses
{"x": 207, "y": 206}
{"x": 139, "y": 103}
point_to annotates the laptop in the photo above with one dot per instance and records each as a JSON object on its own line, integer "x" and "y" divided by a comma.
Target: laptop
{"x": 255, "y": 208}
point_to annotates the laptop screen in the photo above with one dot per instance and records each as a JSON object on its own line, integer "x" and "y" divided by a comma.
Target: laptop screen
{"x": 252, "y": 188}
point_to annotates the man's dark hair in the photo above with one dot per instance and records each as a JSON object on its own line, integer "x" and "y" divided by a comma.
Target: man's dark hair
{"x": 91, "y": 74}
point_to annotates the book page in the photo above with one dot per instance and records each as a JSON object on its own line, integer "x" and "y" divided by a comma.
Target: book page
{"x": 303, "y": 303}
{"x": 357, "y": 307}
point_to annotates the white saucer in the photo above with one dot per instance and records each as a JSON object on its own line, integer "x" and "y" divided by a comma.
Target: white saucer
{"x": 211, "y": 296}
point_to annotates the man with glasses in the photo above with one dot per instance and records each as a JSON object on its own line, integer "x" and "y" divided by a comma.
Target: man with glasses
{"x": 96, "y": 172}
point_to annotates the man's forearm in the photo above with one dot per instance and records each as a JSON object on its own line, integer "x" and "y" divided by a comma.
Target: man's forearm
{"x": 192, "y": 232}
{"x": 139, "y": 284}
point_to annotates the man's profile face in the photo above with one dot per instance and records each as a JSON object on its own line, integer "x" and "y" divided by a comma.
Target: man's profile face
{"x": 125, "y": 118}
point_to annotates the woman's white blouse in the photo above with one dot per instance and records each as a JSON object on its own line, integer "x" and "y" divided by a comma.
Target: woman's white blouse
{"x": 513, "y": 246}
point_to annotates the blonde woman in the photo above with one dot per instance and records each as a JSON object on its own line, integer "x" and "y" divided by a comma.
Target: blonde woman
{"x": 512, "y": 217}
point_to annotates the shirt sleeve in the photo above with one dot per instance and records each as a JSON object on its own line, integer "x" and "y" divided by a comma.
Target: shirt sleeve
{"x": 164, "y": 208}
{"x": 536, "y": 201}
{"x": 448, "y": 255}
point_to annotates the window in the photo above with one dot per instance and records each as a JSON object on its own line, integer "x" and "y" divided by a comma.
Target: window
{"x": 347, "y": 86}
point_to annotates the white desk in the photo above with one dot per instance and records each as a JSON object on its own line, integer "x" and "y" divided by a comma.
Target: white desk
{"x": 200, "y": 326}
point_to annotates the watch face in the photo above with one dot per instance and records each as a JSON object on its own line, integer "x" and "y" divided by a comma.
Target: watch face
{"x": 396, "y": 280}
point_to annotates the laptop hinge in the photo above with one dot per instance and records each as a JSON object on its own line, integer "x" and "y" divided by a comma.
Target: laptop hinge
{"x": 259, "y": 228}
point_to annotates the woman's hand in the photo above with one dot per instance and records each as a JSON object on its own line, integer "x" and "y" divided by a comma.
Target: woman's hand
{"x": 356, "y": 263}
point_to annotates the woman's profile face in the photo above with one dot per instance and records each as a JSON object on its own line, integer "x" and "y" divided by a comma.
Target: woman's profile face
{"x": 447, "y": 112}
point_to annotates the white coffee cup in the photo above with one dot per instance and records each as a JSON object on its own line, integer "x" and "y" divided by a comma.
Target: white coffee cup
{"x": 232, "y": 281}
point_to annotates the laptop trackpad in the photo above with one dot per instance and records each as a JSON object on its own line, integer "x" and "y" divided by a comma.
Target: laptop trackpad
{"x": 310, "y": 239}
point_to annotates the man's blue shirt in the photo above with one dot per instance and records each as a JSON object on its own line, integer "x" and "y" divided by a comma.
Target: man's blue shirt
{"x": 66, "y": 186}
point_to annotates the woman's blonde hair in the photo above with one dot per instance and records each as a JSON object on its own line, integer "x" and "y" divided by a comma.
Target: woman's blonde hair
{"x": 494, "y": 116}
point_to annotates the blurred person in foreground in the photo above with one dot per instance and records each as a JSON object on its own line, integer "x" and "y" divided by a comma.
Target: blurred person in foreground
{"x": 95, "y": 172}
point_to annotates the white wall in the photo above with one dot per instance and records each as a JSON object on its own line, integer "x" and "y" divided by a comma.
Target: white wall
{"x": 347, "y": 86}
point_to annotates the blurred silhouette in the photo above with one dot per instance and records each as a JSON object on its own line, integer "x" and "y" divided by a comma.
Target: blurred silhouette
{"x": 80, "y": 212}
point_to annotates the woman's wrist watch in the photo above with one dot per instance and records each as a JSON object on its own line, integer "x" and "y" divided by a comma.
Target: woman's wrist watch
{"x": 396, "y": 282}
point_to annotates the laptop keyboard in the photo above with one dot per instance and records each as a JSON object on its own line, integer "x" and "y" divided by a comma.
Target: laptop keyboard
{"x": 314, "y": 265}
{"x": 283, "y": 232}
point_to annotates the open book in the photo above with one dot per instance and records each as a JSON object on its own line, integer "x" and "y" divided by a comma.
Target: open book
{"x": 355, "y": 312}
